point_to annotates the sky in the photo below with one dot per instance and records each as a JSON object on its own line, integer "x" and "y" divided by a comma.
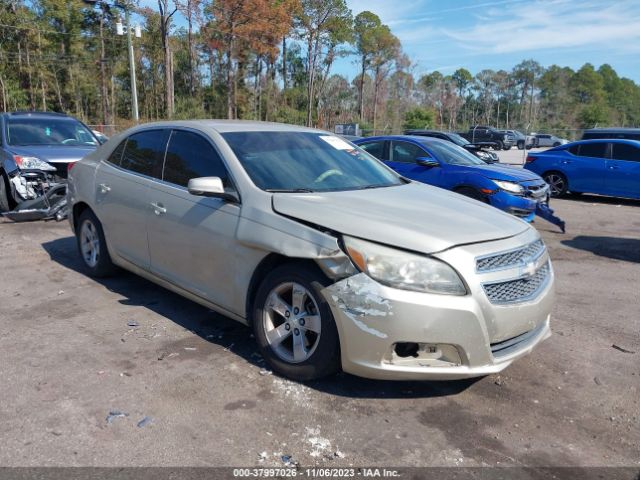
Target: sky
{"x": 445, "y": 35}
{"x": 498, "y": 34}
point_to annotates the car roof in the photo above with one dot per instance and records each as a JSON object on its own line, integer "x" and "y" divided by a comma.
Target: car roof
{"x": 613, "y": 129}
{"x": 411, "y": 138}
{"x": 225, "y": 126}
{"x": 592, "y": 140}
{"x": 37, "y": 114}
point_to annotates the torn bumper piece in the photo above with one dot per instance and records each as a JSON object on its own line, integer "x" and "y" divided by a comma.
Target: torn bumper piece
{"x": 392, "y": 334}
{"x": 50, "y": 205}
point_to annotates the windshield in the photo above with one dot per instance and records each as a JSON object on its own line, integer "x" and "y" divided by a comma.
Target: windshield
{"x": 301, "y": 161}
{"x": 48, "y": 131}
{"x": 453, "y": 154}
{"x": 458, "y": 140}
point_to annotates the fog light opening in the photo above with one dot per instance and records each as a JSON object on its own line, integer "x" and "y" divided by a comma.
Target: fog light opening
{"x": 407, "y": 349}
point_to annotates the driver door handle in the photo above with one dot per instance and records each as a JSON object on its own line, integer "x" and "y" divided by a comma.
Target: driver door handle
{"x": 104, "y": 188}
{"x": 158, "y": 208}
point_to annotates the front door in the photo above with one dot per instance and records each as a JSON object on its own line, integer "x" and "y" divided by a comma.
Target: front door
{"x": 122, "y": 188}
{"x": 192, "y": 238}
{"x": 623, "y": 170}
{"x": 402, "y": 158}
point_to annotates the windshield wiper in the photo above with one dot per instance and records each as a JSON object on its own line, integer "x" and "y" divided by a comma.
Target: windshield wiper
{"x": 289, "y": 190}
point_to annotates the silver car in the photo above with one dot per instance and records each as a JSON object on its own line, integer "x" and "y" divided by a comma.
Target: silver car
{"x": 333, "y": 259}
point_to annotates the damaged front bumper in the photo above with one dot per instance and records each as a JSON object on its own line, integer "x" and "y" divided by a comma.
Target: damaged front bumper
{"x": 39, "y": 196}
{"x": 387, "y": 333}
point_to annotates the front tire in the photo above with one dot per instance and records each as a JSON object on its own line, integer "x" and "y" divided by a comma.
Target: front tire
{"x": 93, "y": 246}
{"x": 558, "y": 184}
{"x": 293, "y": 324}
{"x": 521, "y": 145}
{"x": 472, "y": 193}
{"x": 5, "y": 201}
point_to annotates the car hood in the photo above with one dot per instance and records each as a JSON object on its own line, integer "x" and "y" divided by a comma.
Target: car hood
{"x": 415, "y": 216}
{"x": 505, "y": 172}
{"x": 53, "y": 153}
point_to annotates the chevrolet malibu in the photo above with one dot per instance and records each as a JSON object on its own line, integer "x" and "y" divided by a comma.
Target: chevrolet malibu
{"x": 334, "y": 260}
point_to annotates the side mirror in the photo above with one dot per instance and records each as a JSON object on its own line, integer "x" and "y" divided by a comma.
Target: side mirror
{"x": 210, "y": 187}
{"x": 427, "y": 162}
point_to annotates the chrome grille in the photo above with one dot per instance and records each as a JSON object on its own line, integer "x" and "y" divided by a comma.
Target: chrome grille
{"x": 518, "y": 290}
{"x": 510, "y": 259}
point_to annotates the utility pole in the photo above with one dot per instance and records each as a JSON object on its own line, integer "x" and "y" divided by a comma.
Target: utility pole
{"x": 132, "y": 68}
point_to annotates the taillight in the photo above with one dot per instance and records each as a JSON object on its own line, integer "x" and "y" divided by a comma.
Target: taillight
{"x": 530, "y": 159}
{"x": 70, "y": 165}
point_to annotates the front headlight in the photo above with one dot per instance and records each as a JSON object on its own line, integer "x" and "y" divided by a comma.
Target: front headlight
{"x": 33, "y": 163}
{"x": 510, "y": 187}
{"x": 403, "y": 270}
{"x": 482, "y": 154}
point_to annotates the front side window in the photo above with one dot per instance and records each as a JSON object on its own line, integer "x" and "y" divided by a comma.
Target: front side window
{"x": 374, "y": 148}
{"x": 595, "y": 150}
{"x": 624, "y": 151}
{"x": 29, "y": 131}
{"x": 405, "y": 152}
{"x": 144, "y": 152}
{"x": 189, "y": 155}
{"x": 306, "y": 161}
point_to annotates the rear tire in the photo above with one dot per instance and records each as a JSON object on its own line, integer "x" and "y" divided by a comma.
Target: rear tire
{"x": 293, "y": 324}
{"x": 558, "y": 184}
{"x": 521, "y": 145}
{"x": 93, "y": 246}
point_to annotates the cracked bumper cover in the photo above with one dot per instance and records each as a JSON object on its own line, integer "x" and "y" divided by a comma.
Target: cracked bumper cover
{"x": 371, "y": 318}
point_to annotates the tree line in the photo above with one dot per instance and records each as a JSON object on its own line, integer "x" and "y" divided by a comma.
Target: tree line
{"x": 272, "y": 60}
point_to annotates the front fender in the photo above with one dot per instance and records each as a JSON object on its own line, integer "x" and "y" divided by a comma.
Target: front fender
{"x": 9, "y": 165}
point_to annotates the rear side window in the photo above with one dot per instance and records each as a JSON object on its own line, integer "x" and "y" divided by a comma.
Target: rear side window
{"x": 116, "y": 155}
{"x": 374, "y": 148}
{"x": 624, "y": 151}
{"x": 144, "y": 152}
{"x": 596, "y": 150}
{"x": 189, "y": 155}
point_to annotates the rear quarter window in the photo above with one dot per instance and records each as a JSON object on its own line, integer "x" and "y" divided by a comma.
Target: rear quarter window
{"x": 116, "y": 156}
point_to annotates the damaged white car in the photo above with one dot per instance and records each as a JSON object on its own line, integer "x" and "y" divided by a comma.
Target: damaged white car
{"x": 333, "y": 259}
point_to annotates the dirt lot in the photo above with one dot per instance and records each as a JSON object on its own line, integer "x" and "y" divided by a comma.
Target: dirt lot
{"x": 68, "y": 357}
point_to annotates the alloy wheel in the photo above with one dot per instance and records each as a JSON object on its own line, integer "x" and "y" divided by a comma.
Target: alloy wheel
{"x": 556, "y": 184}
{"x": 291, "y": 322}
{"x": 90, "y": 243}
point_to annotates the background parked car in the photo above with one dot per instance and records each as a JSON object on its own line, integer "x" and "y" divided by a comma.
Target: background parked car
{"x": 479, "y": 150}
{"x": 547, "y": 140}
{"x": 628, "y": 133}
{"x": 445, "y": 165}
{"x": 522, "y": 141}
{"x": 36, "y": 149}
{"x": 482, "y": 134}
{"x": 607, "y": 167}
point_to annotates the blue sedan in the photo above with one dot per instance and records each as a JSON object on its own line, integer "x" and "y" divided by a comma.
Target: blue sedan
{"x": 448, "y": 166}
{"x": 605, "y": 166}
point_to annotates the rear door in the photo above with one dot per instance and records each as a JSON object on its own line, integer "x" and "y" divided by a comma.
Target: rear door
{"x": 623, "y": 170}
{"x": 585, "y": 166}
{"x": 122, "y": 189}
{"x": 192, "y": 238}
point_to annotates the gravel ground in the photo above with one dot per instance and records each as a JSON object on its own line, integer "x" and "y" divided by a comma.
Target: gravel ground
{"x": 73, "y": 349}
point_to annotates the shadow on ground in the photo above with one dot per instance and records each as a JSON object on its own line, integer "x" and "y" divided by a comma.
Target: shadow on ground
{"x": 598, "y": 199}
{"x": 626, "y": 249}
{"x": 220, "y": 330}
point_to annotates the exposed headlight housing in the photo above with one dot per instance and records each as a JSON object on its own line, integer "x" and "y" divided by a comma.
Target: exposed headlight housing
{"x": 33, "y": 163}
{"x": 404, "y": 270}
{"x": 510, "y": 187}
{"x": 483, "y": 154}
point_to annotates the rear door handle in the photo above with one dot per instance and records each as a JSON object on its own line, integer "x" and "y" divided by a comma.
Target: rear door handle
{"x": 158, "y": 208}
{"x": 104, "y": 188}
{"x": 613, "y": 167}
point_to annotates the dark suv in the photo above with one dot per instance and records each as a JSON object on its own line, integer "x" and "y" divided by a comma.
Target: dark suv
{"x": 498, "y": 140}
{"x": 478, "y": 150}
{"x": 595, "y": 133}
